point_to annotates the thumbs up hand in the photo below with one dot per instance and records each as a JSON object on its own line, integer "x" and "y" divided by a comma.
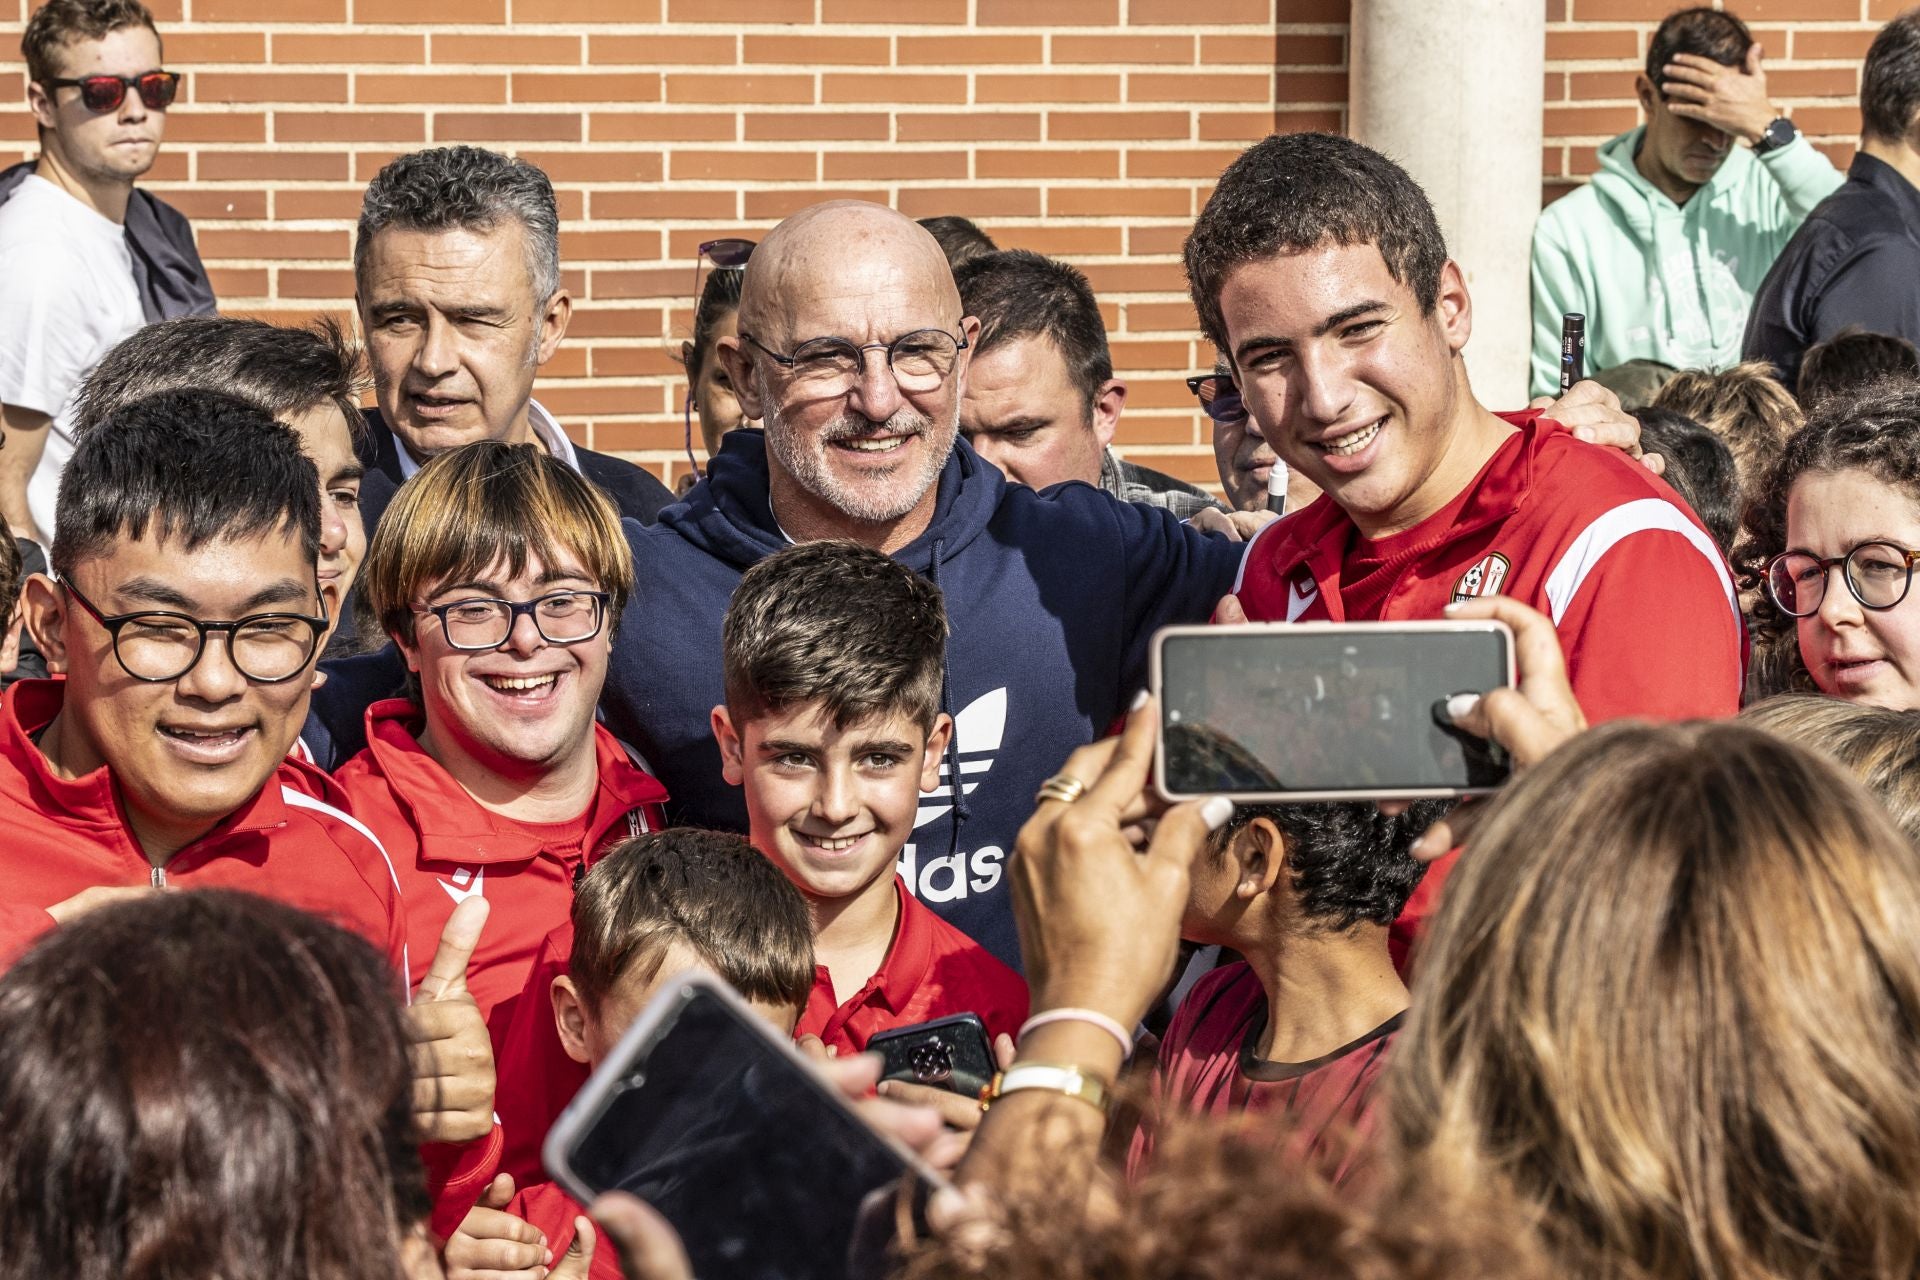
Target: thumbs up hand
{"x": 453, "y": 1075}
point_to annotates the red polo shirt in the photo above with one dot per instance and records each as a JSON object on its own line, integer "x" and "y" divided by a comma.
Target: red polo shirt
{"x": 552, "y": 1210}
{"x": 292, "y": 842}
{"x": 447, "y": 847}
{"x": 932, "y": 970}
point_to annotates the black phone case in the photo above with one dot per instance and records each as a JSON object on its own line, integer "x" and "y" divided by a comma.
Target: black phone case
{"x": 947, "y": 1053}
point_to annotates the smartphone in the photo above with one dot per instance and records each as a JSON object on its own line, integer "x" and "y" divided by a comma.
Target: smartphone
{"x": 1297, "y": 711}
{"x": 947, "y": 1053}
{"x": 704, "y": 1112}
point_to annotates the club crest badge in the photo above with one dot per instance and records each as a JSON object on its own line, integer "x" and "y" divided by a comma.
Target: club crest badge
{"x": 1484, "y": 579}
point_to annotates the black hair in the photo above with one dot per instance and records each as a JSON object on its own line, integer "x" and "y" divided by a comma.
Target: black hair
{"x": 1850, "y": 360}
{"x": 1890, "y": 83}
{"x": 719, "y": 296}
{"x": 1703, "y": 32}
{"x": 1298, "y": 191}
{"x": 1700, "y": 468}
{"x": 200, "y": 465}
{"x": 1348, "y": 863}
{"x": 959, "y": 239}
{"x": 1017, "y": 293}
{"x": 285, "y": 370}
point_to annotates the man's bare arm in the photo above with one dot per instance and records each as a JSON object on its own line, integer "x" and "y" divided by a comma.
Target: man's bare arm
{"x": 24, "y": 439}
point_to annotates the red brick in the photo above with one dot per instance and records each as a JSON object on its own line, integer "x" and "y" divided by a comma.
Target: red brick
{"x": 661, "y": 126}
{"x": 609, "y": 246}
{"x": 1053, "y": 13}
{"x": 186, "y": 48}
{"x": 1122, "y": 202}
{"x": 1289, "y": 50}
{"x": 893, "y": 166}
{"x": 1138, "y": 428}
{"x": 1181, "y": 162}
{"x": 1135, "y": 277}
{"x": 1084, "y": 126}
{"x": 634, "y": 362}
{"x": 1614, "y": 10}
{"x": 1309, "y": 86}
{"x": 431, "y": 89}
{"x": 641, "y": 282}
{"x": 1601, "y": 86}
{"x": 1828, "y": 120}
{"x": 413, "y": 12}
{"x": 1109, "y": 50}
{"x": 808, "y": 51}
{"x": 1564, "y": 122}
{"x": 568, "y": 362}
{"x": 1244, "y": 126}
{"x": 343, "y": 205}
{"x": 1212, "y": 86}
{"x": 1159, "y": 317}
{"x": 1591, "y": 46}
{"x": 845, "y": 86}
{"x": 344, "y": 126}
{"x": 208, "y": 204}
{"x": 593, "y": 320}
{"x": 735, "y": 89}
{"x": 212, "y": 126}
{"x": 1789, "y": 10}
{"x": 267, "y": 86}
{"x": 1061, "y": 240}
{"x": 1154, "y": 355}
{"x": 584, "y": 399}
{"x": 528, "y": 11}
{"x": 773, "y": 205}
{"x": 630, "y": 437}
{"x": 1056, "y": 87}
{"x": 300, "y": 282}
{"x": 1848, "y": 45}
{"x": 684, "y": 243}
{"x": 602, "y": 164}
{"x": 266, "y": 166}
{"x": 752, "y": 166}
{"x": 1813, "y": 82}
{"x": 1185, "y": 13}
{"x": 1327, "y": 121}
{"x": 894, "y": 13}
{"x": 278, "y": 11}
{"x": 1146, "y": 240}
{"x": 663, "y": 51}
{"x": 755, "y": 11}
{"x": 598, "y": 87}
{"x": 819, "y": 126}
{"x": 223, "y": 243}
{"x": 970, "y": 202}
{"x": 956, "y": 51}
{"x": 348, "y": 50}
{"x": 1045, "y": 163}
{"x": 237, "y": 282}
{"x": 632, "y": 205}
{"x": 971, "y": 126}
{"x": 482, "y": 127}
{"x": 515, "y": 49}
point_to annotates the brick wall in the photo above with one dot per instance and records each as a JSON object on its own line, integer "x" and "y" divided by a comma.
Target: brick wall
{"x": 1089, "y": 129}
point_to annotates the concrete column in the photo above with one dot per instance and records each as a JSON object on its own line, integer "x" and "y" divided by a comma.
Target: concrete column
{"x": 1452, "y": 90}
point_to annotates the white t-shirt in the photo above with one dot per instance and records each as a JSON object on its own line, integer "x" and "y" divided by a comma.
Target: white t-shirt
{"x": 66, "y": 296}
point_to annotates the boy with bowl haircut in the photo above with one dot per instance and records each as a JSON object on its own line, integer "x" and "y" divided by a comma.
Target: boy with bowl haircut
{"x": 835, "y": 661}
{"x": 652, "y": 909}
{"x": 1299, "y": 1029}
{"x": 497, "y": 571}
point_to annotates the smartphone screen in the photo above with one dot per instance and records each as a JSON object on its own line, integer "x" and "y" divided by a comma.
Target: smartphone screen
{"x": 764, "y": 1173}
{"x": 1326, "y": 710}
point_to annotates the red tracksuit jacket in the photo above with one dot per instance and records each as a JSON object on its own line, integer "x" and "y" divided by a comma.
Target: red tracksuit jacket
{"x": 1647, "y": 611}
{"x": 446, "y": 847}
{"x": 292, "y": 842}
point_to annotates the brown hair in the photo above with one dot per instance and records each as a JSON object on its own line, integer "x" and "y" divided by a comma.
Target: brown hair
{"x": 1672, "y": 997}
{"x": 708, "y": 891}
{"x": 1878, "y": 745}
{"x": 483, "y": 503}
{"x": 839, "y": 624}
{"x": 12, "y": 569}
{"x": 59, "y": 23}
{"x": 205, "y": 1084}
{"x": 1745, "y": 406}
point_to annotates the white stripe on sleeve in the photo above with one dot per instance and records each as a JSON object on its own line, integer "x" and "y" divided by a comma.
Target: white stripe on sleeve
{"x": 1639, "y": 516}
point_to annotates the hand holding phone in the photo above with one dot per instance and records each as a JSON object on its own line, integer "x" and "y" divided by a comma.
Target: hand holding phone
{"x": 948, "y": 1053}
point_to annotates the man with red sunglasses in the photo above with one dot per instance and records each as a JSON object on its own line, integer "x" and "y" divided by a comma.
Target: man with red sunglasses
{"x": 86, "y": 258}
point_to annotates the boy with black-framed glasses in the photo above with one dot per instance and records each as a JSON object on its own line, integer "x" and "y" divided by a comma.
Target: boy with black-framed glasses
{"x": 184, "y": 615}
{"x": 497, "y": 571}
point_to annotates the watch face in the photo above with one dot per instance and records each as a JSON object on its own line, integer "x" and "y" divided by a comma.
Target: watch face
{"x": 1779, "y": 133}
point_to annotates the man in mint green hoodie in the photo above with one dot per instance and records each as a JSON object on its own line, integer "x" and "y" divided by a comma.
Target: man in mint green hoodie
{"x": 1664, "y": 249}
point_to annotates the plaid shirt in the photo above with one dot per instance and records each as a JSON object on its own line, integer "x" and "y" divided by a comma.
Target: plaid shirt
{"x": 1131, "y": 483}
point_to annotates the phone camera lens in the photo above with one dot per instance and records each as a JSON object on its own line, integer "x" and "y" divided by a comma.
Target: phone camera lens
{"x": 932, "y": 1063}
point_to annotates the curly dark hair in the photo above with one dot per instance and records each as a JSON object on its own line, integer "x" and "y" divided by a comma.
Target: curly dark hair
{"x": 1875, "y": 430}
{"x": 1349, "y": 862}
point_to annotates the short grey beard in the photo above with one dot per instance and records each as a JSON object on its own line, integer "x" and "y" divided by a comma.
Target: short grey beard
{"x": 808, "y": 466}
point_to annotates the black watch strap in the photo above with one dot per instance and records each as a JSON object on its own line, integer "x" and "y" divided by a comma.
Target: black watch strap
{"x": 1775, "y": 135}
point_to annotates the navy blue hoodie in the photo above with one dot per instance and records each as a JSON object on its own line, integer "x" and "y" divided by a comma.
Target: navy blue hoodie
{"x": 1052, "y": 598}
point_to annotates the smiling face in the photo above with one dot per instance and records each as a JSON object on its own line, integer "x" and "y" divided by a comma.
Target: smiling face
{"x": 521, "y": 710}
{"x": 187, "y": 752}
{"x": 1357, "y": 389}
{"x": 1860, "y": 654}
{"x": 1023, "y": 414}
{"x": 327, "y": 439}
{"x": 833, "y": 807}
{"x": 108, "y": 146}
{"x": 455, "y": 334}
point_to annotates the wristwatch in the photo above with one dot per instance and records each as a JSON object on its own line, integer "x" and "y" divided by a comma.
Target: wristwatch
{"x": 1774, "y": 136}
{"x": 1070, "y": 1081}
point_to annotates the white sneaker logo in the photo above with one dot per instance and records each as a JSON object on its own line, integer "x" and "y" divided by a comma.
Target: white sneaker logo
{"x": 466, "y": 884}
{"x": 979, "y": 729}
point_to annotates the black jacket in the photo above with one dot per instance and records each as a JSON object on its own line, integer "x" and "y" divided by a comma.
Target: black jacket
{"x": 1854, "y": 261}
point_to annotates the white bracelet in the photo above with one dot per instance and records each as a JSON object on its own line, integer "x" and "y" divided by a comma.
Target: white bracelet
{"x": 1092, "y": 1017}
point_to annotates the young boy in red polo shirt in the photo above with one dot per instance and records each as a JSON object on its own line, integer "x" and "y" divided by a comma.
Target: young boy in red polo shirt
{"x": 1300, "y": 1028}
{"x": 653, "y": 908}
{"x": 497, "y": 571}
{"x": 834, "y": 657}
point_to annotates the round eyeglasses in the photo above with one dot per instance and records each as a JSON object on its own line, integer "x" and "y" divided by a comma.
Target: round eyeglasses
{"x": 920, "y": 360}
{"x": 157, "y": 646}
{"x": 1877, "y": 573}
{"x": 561, "y": 617}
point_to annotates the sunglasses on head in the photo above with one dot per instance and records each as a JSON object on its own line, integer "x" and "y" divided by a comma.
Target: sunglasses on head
{"x": 106, "y": 93}
{"x": 1219, "y": 397}
{"x": 729, "y": 254}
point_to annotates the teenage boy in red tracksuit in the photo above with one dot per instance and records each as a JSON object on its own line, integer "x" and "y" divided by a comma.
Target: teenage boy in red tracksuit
{"x": 1319, "y": 268}
{"x": 183, "y": 624}
{"x": 496, "y": 571}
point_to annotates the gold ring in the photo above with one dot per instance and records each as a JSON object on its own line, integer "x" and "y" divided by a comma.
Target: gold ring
{"x": 1063, "y": 787}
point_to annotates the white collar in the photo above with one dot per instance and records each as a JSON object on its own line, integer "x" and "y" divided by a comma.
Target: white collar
{"x": 547, "y": 431}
